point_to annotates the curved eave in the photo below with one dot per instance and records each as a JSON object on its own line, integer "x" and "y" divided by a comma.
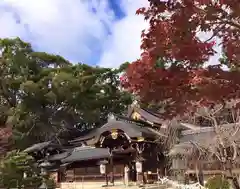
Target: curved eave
{"x": 37, "y": 147}
{"x": 88, "y": 153}
{"x": 81, "y": 139}
{"x": 131, "y": 130}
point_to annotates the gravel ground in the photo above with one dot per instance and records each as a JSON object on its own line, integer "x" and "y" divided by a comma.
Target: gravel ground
{"x": 99, "y": 185}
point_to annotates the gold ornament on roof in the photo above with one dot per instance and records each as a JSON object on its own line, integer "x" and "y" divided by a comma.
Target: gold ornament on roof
{"x": 136, "y": 116}
{"x": 114, "y": 134}
{"x": 140, "y": 139}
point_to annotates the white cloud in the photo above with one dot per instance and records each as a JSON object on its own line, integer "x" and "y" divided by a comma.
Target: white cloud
{"x": 124, "y": 44}
{"x": 71, "y": 29}
{"x": 57, "y": 26}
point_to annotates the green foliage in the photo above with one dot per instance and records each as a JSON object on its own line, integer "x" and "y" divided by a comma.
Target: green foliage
{"x": 50, "y": 183}
{"x": 43, "y": 94}
{"x": 123, "y": 67}
{"x": 14, "y": 166}
{"x": 217, "y": 182}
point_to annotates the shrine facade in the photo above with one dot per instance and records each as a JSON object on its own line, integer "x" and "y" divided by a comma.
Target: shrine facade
{"x": 125, "y": 148}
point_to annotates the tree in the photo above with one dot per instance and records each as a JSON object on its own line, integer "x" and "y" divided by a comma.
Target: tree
{"x": 217, "y": 182}
{"x": 44, "y": 96}
{"x": 18, "y": 171}
{"x": 221, "y": 142}
{"x": 172, "y": 68}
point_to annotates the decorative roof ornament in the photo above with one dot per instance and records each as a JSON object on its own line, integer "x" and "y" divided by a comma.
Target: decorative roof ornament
{"x": 136, "y": 116}
{"x": 114, "y": 134}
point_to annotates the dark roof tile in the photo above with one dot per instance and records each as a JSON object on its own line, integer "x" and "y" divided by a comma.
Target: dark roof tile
{"x": 86, "y": 153}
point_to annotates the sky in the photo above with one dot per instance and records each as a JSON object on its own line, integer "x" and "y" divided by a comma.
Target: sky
{"x": 96, "y": 32}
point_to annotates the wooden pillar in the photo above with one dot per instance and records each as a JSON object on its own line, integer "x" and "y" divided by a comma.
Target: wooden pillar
{"x": 145, "y": 177}
{"x": 74, "y": 174}
{"x": 59, "y": 176}
{"x": 111, "y": 170}
{"x": 106, "y": 178}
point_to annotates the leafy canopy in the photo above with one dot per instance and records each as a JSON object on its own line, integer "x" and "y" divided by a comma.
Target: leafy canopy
{"x": 43, "y": 96}
{"x": 172, "y": 67}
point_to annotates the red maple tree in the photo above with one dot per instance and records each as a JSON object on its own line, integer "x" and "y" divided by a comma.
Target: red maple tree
{"x": 173, "y": 68}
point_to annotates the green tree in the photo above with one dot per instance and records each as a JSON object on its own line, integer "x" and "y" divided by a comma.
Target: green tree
{"x": 17, "y": 171}
{"x": 43, "y": 95}
{"x": 217, "y": 182}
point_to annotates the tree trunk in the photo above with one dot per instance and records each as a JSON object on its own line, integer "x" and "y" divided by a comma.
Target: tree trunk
{"x": 235, "y": 183}
{"x": 199, "y": 173}
{"x": 234, "y": 180}
{"x": 200, "y": 176}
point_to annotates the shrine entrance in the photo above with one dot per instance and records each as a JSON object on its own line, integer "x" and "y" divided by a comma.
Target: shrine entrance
{"x": 114, "y": 139}
{"x": 123, "y": 155}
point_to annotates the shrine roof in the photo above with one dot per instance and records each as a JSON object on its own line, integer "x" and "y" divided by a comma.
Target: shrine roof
{"x": 130, "y": 129}
{"x": 43, "y": 145}
{"x": 203, "y": 137}
{"x": 59, "y": 157}
{"x": 81, "y": 154}
{"x": 37, "y": 147}
{"x": 146, "y": 114}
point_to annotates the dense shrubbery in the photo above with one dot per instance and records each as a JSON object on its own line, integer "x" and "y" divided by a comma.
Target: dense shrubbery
{"x": 217, "y": 182}
{"x": 18, "y": 170}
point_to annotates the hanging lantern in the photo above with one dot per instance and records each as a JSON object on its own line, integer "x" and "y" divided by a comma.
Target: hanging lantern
{"x": 102, "y": 168}
{"x": 139, "y": 167}
{"x": 114, "y": 134}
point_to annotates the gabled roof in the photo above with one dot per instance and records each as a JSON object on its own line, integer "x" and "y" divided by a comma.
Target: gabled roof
{"x": 132, "y": 130}
{"x": 145, "y": 114}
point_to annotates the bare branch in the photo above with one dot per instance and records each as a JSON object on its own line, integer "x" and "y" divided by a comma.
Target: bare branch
{"x": 234, "y": 151}
{"x": 224, "y": 142}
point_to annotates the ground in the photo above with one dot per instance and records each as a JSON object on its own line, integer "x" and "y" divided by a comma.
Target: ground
{"x": 98, "y": 185}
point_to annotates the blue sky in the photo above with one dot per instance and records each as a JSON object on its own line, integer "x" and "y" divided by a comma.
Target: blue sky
{"x": 96, "y": 32}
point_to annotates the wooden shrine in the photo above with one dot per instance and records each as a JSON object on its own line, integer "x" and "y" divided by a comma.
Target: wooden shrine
{"x": 189, "y": 159}
{"x": 125, "y": 148}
